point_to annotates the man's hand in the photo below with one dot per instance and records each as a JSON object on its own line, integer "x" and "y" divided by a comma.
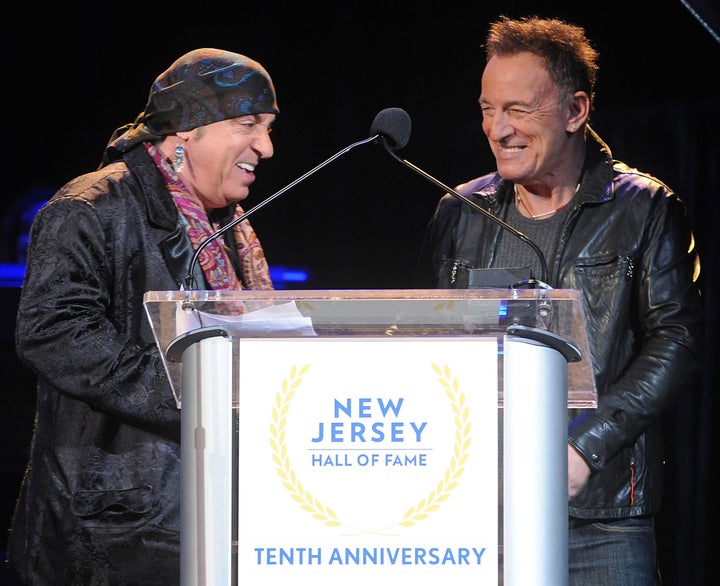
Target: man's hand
{"x": 578, "y": 472}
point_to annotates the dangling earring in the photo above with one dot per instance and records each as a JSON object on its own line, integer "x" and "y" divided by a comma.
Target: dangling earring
{"x": 179, "y": 161}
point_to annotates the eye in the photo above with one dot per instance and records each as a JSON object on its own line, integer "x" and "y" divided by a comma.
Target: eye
{"x": 517, "y": 112}
{"x": 246, "y": 124}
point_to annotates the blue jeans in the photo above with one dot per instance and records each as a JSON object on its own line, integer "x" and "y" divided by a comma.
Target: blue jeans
{"x": 613, "y": 552}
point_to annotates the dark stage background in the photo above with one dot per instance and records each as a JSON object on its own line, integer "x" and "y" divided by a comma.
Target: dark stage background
{"x": 71, "y": 79}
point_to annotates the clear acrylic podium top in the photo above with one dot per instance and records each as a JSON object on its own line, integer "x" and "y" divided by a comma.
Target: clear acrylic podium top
{"x": 177, "y": 317}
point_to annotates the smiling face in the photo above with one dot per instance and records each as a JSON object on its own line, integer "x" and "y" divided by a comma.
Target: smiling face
{"x": 526, "y": 119}
{"x": 220, "y": 158}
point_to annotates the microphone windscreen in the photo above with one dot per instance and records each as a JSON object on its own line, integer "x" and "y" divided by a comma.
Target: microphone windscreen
{"x": 395, "y": 125}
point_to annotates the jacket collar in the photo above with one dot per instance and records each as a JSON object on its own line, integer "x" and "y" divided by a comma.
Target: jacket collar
{"x": 160, "y": 210}
{"x": 597, "y": 181}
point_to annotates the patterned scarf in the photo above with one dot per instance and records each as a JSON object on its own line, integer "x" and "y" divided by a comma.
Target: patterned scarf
{"x": 214, "y": 259}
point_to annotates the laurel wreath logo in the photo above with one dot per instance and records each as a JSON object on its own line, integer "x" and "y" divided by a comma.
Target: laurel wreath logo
{"x": 425, "y": 506}
{"x": 279, "y": 451}
{"x": 455, "y": 469}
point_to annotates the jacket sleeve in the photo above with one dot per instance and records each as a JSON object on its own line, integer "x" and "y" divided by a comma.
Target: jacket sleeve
{"x": 662, "y": 336}
{"x": 77, "y": 331}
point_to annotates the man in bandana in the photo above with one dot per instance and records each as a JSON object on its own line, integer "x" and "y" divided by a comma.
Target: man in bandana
{"x": 100, "y": 500}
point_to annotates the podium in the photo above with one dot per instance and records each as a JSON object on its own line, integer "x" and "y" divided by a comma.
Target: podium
{"x": 374, "y": 435}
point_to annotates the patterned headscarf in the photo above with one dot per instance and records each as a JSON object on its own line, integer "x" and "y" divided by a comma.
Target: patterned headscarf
{"x": 201, "y": 87}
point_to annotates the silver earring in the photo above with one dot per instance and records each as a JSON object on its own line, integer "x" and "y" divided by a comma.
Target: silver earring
{"x": 179, "y": 161}
{"x": 572, "y": 128}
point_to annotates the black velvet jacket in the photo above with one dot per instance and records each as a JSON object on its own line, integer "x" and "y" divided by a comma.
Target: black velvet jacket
{"x": 100, "y": 501}
{"x": 626, "y": 244}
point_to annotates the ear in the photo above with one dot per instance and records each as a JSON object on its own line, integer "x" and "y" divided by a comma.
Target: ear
{"x": 183, "y": 135}
{"x": 578, "y": 111}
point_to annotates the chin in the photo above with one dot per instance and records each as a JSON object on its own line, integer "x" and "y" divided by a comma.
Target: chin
{"x": 236, "y": 198}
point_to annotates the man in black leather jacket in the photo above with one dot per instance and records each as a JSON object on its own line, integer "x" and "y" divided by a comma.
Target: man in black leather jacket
{"x": 619, "y": 236}
{"x": 100, "y": 500}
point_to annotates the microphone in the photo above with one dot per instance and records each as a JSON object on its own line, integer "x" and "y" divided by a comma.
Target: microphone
{"x": 388, "y": 124}
{"x": 392, "y": 128}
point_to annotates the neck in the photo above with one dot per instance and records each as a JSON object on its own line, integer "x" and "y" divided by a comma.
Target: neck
{"x": 535, "y": 212}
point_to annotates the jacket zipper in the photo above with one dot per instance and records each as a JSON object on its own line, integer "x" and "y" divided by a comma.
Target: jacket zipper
{"x": 453, "y": 272}
{"x": 630, "y": 270}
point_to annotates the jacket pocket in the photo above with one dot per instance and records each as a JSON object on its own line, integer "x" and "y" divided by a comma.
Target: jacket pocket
{"x": 119, "y": 506}
{"x": 123, "y": 490}
{"x": 620, "y": 266}
{"x": 606, "y": 281}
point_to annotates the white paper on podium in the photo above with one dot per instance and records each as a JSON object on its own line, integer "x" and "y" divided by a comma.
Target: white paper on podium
{"x": 282, "y": 318}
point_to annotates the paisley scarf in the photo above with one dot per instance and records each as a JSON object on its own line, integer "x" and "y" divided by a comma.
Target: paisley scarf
{"x": 214, "y": 259}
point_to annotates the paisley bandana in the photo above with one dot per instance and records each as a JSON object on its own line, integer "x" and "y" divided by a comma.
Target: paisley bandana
{"x": 201, "y": 87}
{"x": 214, "y": 259}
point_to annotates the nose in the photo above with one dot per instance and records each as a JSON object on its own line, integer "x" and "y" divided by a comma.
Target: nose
{"x": 263, "y": 144}
{"x": 496, "y": 126}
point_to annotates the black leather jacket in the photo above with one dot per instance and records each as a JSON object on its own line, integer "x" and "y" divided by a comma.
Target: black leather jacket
{"x": 627, "y": 245}
{"x": 104, "y": 475}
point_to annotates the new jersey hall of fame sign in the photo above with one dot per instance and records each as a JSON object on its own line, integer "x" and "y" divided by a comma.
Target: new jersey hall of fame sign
{"x": 362, "y": 461}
